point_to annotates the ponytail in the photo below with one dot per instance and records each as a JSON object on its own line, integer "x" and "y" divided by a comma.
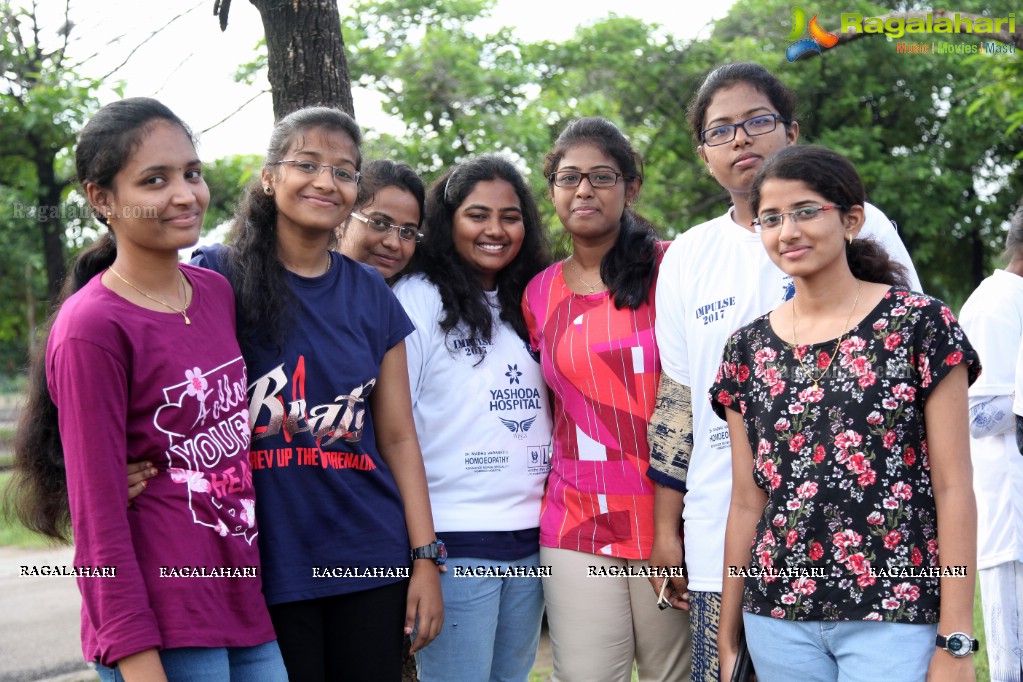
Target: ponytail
{"x": 869, "y": 262}
{"x": 36, "y": 495}
{"x": 630, "y": 267}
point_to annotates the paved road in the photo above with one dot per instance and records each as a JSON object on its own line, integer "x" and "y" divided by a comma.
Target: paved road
{"x": 39, "y": 620}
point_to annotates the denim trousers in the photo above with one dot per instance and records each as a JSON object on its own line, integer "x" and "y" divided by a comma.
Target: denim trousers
{"x": 846, "y": 651}
{"x": 261, "y": 663}
{"x": 491, "y": 625}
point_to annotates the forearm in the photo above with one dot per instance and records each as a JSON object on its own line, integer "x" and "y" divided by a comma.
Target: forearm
{"x": 739, "y": 532}
{"x": 144, "y": 666}
{"x": 957, "y": 544}
{"x": 405, "y": 461}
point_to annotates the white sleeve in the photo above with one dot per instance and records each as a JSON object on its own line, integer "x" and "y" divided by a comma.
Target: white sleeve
{"x": 669, "y": 325}
{"x": 413, "y": 295}
{"x": 877, "y": 226}
{"x": 1017, "y": 406}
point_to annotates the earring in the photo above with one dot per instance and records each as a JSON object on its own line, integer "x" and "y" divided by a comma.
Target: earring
{"x": 849, "y": 237}
{"x": 268, "y": 190}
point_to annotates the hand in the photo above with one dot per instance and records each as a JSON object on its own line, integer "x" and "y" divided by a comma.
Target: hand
{"x": 945, "y": 667}
{"x": 138, "y": 475}
{"x": 668, "y": 554}
{"x": 424, "y": 607}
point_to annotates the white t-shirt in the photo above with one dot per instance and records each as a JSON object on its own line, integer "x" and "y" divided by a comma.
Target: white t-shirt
{"x": 993, "y": 320}
{"x": 717, "y": 277}
{"x": 484, "y": 429}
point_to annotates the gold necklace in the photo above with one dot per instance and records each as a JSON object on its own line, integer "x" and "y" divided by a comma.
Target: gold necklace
{"x": 816, "y": 380}
{"x": 578, "y": 276}
{"x": 184, "y": 287}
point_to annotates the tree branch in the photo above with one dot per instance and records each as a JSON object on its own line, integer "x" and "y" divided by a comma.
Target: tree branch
{"x": 150, "y": 37}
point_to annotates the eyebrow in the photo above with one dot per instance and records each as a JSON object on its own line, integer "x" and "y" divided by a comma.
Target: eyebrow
{"x": 799, "y": 204}
{"x": 168, "y": 167}
{"x": 741, "y": 117}
{"x": 483, "y": 207}
{"x": 592, "y": 168}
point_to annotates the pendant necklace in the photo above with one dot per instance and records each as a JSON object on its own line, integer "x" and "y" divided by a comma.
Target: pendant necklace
{"x": 816, "y": 380}
{"x": 578, "y": 276}
{"x": 182, "y": 311}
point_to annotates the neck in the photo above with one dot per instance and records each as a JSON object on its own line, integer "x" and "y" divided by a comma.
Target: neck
{"x": 589, "y": 254}
{"x": 1015, "y": 266}
{"x": 152, "y": 272}
{"x": 303, "y": 253}
{"x": 741, "y": 213}
{"x": 820, "y": 294}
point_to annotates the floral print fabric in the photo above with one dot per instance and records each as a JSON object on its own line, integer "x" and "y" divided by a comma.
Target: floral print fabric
{"x": 849, "y": 530}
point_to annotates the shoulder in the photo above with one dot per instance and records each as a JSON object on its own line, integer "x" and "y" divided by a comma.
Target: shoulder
{"x": 542, "y": 281}
{"x": 212, "y": 257}
{"x": 920, "y": 309}
{"x": 206, "y": 278}
{"x": 416, "y": 291}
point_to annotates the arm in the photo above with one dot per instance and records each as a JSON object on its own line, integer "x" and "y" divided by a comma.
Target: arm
{"x": 746, "y": 508}
{"x": 948, "y": 444}
{"x": 670, "y": 434}
{"x": 399, "y": 448}
{"x": 90, "y": 386}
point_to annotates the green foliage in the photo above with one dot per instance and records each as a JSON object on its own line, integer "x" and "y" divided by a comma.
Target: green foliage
{"x": 227, "y": 178}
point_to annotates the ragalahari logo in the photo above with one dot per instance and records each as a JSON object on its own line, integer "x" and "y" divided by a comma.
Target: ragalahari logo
{"x": 819, "y": 38}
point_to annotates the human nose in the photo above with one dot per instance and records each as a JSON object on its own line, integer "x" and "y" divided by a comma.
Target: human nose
{"x": 741, "y": 136}
{"x": 391, "y": 239}
{"x": 325, "y": 180}
{"x": 584, "y": 188}
{"x": 789, "y": 228}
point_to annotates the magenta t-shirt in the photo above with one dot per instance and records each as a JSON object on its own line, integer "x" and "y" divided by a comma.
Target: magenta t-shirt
{"x": 132, "y": 384}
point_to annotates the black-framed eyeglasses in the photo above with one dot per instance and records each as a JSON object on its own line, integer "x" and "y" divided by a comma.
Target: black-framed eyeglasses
{"x": 804, "y": 214}
{"x": 312, "y": 168}
{"x": 760, "y": 124}
{"x": 406, "y": 233}
{"x": 596, "y": 178}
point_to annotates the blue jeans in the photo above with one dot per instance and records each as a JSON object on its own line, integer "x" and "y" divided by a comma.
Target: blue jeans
{"x": 261, "y": 663}
{"x": 847, "y": 651}
{"x": 491, "y": 626}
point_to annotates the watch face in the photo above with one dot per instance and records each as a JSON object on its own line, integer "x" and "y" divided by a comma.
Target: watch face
{"x": 959, "y": 644}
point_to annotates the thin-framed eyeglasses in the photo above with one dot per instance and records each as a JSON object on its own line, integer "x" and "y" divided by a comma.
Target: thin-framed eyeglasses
{"x": 405, "y": 233}
{"x": 761, "y": 124}
{"x": 312, "y": 168}
{"x": 598, "y": 179}
{"x": 803, "y": 214}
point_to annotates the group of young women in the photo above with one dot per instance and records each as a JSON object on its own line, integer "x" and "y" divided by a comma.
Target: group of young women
{"x": 407, "y": 454}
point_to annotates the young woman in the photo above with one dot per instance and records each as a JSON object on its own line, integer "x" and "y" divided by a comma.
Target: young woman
{"x": 591, "y": 318}
{"x": 335, "y": 456}
{"x": 715, "y": 278}
{"x": 142, "y": 364}
{"x": 482, "y": 413}
{"x": 993, "y": 318}
{"x": 383, "y": 228}
{"x": 847, "y": 411}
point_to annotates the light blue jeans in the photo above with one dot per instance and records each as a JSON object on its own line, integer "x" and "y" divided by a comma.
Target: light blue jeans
{"x": 846, "y": 651}
{"x": 261, "y": 663}
{"x": 491, "y": 626}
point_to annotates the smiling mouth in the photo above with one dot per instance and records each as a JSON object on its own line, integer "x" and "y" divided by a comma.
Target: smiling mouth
{"x": 492, "y": 248}
{"x": 323, "y": 201}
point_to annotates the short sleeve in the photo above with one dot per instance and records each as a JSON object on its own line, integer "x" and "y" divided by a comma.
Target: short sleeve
{"x": 415, "y": 297}
{"x": 939, "y": 346}
{"x": 669, "y": 325}
{"x": 527, "y": 314}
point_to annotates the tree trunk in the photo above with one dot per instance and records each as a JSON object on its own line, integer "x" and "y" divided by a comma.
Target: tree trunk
{"x": 305, "y": 54}
{"x": 51, "y": 222}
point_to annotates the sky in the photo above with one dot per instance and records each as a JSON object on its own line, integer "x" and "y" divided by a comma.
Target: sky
{"x": 189, "y": 64}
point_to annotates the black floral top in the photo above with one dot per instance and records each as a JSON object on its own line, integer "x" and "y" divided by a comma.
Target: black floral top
{"x": 849, "y": 531}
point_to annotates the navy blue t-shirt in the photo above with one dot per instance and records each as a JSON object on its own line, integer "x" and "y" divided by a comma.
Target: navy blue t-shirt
{"x": 327, "y": 506}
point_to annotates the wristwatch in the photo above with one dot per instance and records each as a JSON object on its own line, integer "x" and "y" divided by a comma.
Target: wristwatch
{"x": 435, "y": 550}
{"x": 958, "y": 644}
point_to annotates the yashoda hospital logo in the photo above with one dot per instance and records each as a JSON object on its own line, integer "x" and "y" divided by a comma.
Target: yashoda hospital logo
{"x": 820, "y": 39}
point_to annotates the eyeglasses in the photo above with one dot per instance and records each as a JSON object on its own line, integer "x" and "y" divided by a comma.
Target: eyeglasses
{"x": 310, "y": 168}
{"x": 597, "y": 179}
{"x": 725, "y": 133}
{"x": 806, "y": 214}
{"x": 406, "y": 233}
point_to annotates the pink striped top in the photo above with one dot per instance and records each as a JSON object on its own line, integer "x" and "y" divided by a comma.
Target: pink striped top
{"x": 602, "y": 367}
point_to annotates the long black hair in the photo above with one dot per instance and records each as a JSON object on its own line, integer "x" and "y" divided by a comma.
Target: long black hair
{"x": 262, "y": 296}
{"x": 37, "y": 492}
{"x": 756, "y": 76}
{"x": 832, "y": 176}
{"x": 461, "y": 289}
{"x": 630, "y": 267}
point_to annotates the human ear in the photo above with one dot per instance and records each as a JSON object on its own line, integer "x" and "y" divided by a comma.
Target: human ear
{"x": 100, "y": 199}
{"x": 853, "y": 221}
{"x": 792, "y": 133}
